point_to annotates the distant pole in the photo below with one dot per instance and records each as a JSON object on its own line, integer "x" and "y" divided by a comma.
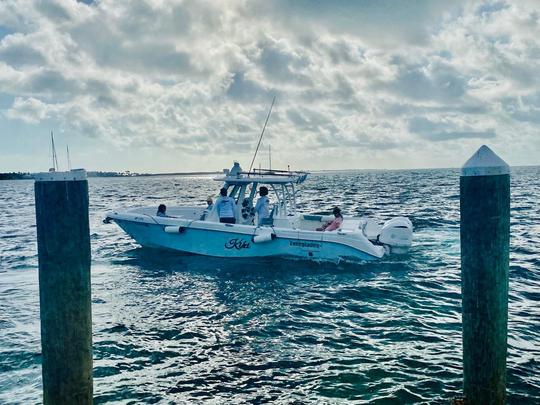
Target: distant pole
{"x": 485, "y": 236}
{"x": 64, "y": 286}
{"x": 54, "y": 157}
{"x": 68, "y": 158}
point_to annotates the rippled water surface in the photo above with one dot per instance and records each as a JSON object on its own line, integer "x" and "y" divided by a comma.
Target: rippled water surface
{"x": 176, "y": 328}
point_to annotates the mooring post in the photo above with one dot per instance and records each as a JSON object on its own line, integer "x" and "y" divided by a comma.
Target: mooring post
{"x": 485, "y": 236}
{"x": 64, "y": 286}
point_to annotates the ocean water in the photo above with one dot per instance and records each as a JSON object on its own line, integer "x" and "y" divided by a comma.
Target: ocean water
{"x": 173, "y": 328}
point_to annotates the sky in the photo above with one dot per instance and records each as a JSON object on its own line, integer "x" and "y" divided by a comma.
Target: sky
{"x": 185, "y": 85}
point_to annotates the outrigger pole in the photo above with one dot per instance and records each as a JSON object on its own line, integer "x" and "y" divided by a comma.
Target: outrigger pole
{"x": 262, "y": 133}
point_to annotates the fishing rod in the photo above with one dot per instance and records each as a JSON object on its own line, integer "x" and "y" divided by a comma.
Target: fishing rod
{"x": 262, "y": 133}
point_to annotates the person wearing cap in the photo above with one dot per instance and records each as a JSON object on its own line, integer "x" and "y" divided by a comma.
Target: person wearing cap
{"x": 209, "y": 208}
{"x": 226, "y": 208}
{"x": 335, "y": 223}
{"x": 262, "y": 208}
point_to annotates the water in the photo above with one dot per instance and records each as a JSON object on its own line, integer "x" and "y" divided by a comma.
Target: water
{"x": 174, "y": 328}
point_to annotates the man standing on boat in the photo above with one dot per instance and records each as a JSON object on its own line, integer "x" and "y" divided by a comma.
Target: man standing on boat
{"x": 262, "y": 208}
{"x": 226, "y": 208}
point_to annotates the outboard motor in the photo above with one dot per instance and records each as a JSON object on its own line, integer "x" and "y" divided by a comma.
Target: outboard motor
{"x": 397, "y": 234}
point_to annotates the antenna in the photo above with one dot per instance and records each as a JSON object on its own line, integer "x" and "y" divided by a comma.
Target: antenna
{"x": 54, "y": 157}
{"x": 68, "y": 158}
{"x": 262, "y": 133}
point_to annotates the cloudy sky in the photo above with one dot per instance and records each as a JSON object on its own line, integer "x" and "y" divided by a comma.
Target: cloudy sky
{"x": 185, "y": 85}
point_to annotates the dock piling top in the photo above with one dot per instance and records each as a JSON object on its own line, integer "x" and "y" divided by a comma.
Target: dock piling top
{"x": 72, "y": 175}
{"x": 485, "y": 162}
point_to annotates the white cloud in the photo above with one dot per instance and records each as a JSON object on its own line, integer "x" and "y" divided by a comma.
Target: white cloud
{"x": 372, "y": 77}
{"x": 29, "y": 110}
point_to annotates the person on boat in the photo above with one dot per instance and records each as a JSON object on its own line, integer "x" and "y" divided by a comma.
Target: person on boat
{"x": 162, "y": 211}
{"x": 335, "y": 223}
{"x": 209, "y": 208}
{"x": 226, "y": 208}
{"x": 262, "y": 208}
{"x": 247, "y": 210}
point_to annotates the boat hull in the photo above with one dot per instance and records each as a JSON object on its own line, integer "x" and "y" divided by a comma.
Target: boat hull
{"x": 235, "y": 241}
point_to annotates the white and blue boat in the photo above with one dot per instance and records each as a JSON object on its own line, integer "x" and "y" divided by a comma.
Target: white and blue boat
{"x": 286, "y": 233}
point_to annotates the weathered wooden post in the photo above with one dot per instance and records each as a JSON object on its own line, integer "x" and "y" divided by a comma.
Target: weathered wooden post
{"x": 485, "y": 235}
{"x": 64, "y": 286}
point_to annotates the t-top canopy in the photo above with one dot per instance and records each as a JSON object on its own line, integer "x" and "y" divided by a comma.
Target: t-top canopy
{"x": 266, "y": 176}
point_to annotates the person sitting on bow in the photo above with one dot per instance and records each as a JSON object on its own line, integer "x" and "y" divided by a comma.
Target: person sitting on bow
{"x": 162, "y": 211}
{"x": 208, "y": 210}
{"x": 335, "y": 223}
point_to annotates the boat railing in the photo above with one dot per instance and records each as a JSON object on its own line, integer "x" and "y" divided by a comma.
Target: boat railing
{"x": 272, "y": 172}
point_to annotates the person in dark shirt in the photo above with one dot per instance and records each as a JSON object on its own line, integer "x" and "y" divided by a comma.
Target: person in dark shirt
{"x": 162, "y": 211}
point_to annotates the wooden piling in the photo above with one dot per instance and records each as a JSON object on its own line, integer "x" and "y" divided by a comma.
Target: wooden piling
{"x": 485, "y": 230}
{"x": 64, "y": 286}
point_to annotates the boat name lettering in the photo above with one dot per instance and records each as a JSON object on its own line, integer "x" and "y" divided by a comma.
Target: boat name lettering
{"x": 305, "y": 244}
{"x": 237, "y": 244}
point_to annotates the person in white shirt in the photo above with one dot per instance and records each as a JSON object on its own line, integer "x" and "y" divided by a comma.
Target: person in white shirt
{"x": 208, "y": 210}
{"x": 262, "y": 208}
{"x": 226, "y": 208}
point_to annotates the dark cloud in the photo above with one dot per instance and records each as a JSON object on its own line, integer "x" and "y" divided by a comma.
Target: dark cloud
{"x": 284, "y": 65}
{"x": 525, "y": 109}
{"x": 427, "y": 82}
{"x": 20, "y": 54}
{"x": 243, "y": 89}
{"x": 485, "y": 9}
{"x": 451, "y": 135}
{"x": 54, "y": 10}
{"x": 444, "y": 131}
{"x": 339, "y": 139}
{"x": 393, "y": 109}
{"x": 379, "y": 22}
{"x": 52, "y": 83}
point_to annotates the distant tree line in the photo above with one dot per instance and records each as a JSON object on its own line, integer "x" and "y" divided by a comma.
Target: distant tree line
{"x": 110, "y": 174}
{"x": 23, "y": 175}
{"x": 16, "y": 176}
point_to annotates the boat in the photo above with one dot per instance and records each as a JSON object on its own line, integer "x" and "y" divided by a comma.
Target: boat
{"x": 286, "y": 233}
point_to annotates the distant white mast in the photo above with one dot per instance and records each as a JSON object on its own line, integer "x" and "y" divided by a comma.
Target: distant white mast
{"x": 270, "y": 157}
{"x": 68, "y": 158}
{"x": 54, "y": 157}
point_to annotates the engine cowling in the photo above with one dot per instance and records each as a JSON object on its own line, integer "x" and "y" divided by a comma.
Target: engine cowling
{"x": 397, "y": 234}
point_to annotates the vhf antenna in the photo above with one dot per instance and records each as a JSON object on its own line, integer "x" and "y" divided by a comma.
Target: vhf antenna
{"x": 262, "y": 133}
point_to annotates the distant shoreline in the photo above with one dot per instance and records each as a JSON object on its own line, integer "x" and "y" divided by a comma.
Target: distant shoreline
{"x": 30, "y": 176}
